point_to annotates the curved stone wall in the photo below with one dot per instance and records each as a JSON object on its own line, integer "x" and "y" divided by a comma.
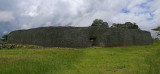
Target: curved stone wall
{"x": 80, "y": 37}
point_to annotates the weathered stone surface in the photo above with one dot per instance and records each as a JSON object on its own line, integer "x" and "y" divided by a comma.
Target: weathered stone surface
{"x": 52, "y": 37}
{"x": 125, "y": 37}
{"x": 80, "y": 37}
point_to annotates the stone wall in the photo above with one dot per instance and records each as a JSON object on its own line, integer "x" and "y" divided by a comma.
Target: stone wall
{"x": 52, "y": 37}
{"x": 125, "y": 37}
{"x": 80, "y": 37}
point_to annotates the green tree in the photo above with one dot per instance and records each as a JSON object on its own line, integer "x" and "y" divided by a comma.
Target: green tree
{"x": 99, "y": 22}
{"x": 127, "y": 25}
{"x": 158, "y": 30}
{"x": 4, "y": 38}
{"x": 114, "y": 25}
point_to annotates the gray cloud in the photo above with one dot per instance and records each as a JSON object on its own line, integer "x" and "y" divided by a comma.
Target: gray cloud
{"x": 6, "y": 16}
{"x": 24, "y": 14}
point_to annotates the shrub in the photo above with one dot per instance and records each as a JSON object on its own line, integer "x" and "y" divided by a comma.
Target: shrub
{"x": 99, "y": 22}
{"x": 4, "y": 38}
{"x": 127, "y": 25}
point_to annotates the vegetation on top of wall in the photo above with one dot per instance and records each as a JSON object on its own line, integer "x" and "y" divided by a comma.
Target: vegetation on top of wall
{"x": 127, "y": 25}
{"x": 99, "y": 22}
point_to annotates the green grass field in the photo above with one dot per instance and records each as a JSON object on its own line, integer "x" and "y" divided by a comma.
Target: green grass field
{"x": 96, "y": 60}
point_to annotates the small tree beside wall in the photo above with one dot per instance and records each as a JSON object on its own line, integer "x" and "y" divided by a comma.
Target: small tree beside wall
{"x": 158, "y": 30}
{"x": 4, "y": 38}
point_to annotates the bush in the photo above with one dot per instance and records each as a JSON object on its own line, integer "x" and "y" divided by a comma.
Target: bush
{"x": 127, "y": 25}
{"x": 12, "y": 46}
{"x": 156, "y": 40}
{"x": 4, "y": 38}
{"x": 99, "y": 22}
{"x": 27, "y": 46}
{"x": 157, "y": 29}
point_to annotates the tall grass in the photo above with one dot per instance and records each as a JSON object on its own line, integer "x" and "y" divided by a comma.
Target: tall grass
{"x": 95, "y": 60}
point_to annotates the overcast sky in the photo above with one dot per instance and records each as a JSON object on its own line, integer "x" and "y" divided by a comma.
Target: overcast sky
{"x": 25, "y": 14}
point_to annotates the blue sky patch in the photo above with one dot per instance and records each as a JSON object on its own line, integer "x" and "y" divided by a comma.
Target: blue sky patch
{"x": 152, "y": 16}
{"x": 144, "y": 5}
{"x": 125, "y": 10}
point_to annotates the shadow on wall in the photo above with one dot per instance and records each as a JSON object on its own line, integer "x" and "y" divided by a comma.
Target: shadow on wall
{"x": 93, "y": 41}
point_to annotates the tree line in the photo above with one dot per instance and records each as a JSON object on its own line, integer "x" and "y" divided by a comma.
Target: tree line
{"x": 127, "y": 25}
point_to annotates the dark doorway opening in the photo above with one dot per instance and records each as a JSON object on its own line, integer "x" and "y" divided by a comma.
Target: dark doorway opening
{"x": 93, "y": 41}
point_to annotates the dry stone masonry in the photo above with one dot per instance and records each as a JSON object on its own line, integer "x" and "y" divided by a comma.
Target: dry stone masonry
{"x": 80, "y": 37}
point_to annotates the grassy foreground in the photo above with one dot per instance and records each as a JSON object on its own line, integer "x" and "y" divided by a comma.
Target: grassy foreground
{"x": 117, "y": 60}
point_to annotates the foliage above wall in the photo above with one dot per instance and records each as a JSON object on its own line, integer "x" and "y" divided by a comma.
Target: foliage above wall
{"x": 127, "y": 25}
{"x": 99, "y": 22}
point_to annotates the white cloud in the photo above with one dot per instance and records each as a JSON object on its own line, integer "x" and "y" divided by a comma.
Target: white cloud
{"x": 81, "y": 13}
{"x": 6, "y": 16}
{"x": 5, "y": 32}
{"x": 25, "y": 26}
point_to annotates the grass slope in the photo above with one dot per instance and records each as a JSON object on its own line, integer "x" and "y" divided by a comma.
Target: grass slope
{"x": 117, "y": 60}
